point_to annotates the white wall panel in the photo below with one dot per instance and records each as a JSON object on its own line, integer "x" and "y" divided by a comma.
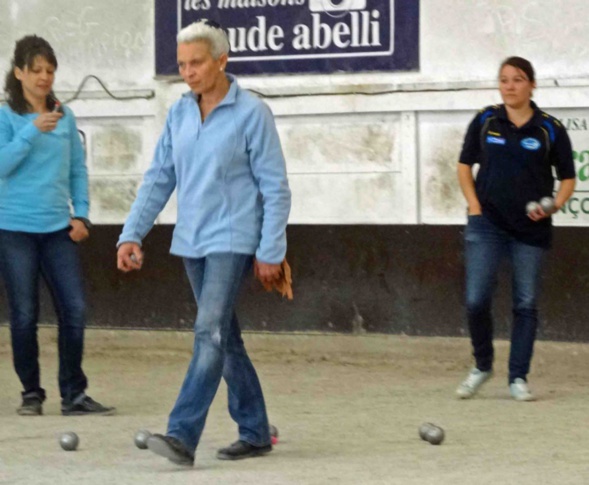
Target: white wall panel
{"x": 352, "y": 158}
{"x": 440, "y": 141}
{"x": 378, "y": 198}
{"x": 341, "y": 144}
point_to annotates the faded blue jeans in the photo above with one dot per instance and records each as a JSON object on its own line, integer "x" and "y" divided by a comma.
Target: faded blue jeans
{"x": 486, "y": 245}
{"x": 24, "y": 258}
{"x": 219, "y": 352}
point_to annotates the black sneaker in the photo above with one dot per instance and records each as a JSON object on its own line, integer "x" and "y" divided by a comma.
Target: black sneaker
{"x": 31, "y": 406}
{"x": 241, "y": 449}
{"x": 171, "y": 448}
{"x": 85, "y": 406}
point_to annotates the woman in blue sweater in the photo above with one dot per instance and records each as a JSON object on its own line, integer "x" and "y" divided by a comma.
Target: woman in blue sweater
{"x": 42, "y": 171}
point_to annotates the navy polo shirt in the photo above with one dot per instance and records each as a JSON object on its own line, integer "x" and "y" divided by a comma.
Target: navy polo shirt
{"x": 516, "y": 166}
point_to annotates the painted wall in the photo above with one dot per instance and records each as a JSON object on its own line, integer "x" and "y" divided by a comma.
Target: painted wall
{"x": 368, "y": 149}
{"x": 352, "y": 158}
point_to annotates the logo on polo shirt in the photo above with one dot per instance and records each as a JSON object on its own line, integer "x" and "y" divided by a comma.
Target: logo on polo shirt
{"x": 495, "y": 140}
{"x": 530, "y": 144}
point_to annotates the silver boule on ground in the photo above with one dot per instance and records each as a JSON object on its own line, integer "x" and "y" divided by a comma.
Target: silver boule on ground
{"x": 141, "y": 438}
{"x": 431, "y": 433}
{"x": 69, "y": 441}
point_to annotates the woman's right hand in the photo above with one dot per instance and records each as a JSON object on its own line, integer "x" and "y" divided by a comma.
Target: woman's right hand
{"x": 47, "y": 121}
{"x": 475, "y": 210}
{"x": 129, "y": 257}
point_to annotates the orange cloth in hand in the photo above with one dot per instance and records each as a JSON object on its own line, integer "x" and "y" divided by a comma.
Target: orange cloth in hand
{"x": 283, "y": 284}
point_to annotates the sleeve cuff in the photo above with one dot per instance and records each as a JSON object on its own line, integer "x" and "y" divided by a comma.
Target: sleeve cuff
{"x": 122, "y": 241}
{"x": 29, "y": 132}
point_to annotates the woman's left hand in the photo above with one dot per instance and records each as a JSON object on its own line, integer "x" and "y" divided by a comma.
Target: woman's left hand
{"x": 267, "y": 273}
{"x": 78, "y": 231}
{"x": 538, "y": 214}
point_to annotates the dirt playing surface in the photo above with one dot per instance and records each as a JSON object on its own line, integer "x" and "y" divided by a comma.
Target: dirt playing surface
{"x": 348, "y": 410}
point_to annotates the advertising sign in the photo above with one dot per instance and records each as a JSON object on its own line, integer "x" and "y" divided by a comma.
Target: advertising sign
{"x": 576, "y": 210}
{"x": 299, "y": 36}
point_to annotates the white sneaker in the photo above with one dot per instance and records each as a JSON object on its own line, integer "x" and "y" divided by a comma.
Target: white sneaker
{"x": 475, "y": 379}
{"x": 520, "y": 391}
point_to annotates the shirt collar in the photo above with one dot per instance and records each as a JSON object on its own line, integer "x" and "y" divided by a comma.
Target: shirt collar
{"x": 229, "y": 97}
{"x": 232, "y": 93}
{"x": 536, "y": 119}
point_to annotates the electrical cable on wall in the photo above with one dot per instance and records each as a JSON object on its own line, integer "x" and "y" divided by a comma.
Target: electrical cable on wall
{"x": 114, "y": 96}
{"x": 549, "y": 83}
{"x": 274, "y": 96}
{"x": 351, "y": 93}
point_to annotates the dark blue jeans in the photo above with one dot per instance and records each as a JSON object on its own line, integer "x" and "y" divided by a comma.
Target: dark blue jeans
{"x": 219, "y": 352}
{"x": 486, "y": 246}
{"x": 24, "y": 257}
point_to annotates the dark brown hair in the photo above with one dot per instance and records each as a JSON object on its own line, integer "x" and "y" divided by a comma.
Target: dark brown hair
{"x": 521, "y": 64}
{"x": 25, "y": 52}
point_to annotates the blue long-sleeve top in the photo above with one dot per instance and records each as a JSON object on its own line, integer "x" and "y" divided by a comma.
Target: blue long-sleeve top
{"x": 41, "y": 173}
{"x": 230, "y": 176}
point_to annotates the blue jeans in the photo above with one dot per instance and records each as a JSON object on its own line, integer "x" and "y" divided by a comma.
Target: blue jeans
{"x": 219, "y": 352}
{"x": 24, "y": 257}
{"x": 486, "y": 246}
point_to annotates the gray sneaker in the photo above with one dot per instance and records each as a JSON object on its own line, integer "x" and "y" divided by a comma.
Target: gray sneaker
{"x": 85, "y": 406}
{"x": 520, "y": 391}
{"x": 475, "y": 379}
{"x": 31, "y": 406}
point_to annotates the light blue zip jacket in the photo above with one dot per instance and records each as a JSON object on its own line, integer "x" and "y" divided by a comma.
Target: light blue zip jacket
{"x": 40, "y": 173}
{"x": 230, "y": 176}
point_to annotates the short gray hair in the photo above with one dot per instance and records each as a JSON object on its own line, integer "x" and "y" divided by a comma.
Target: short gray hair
{"x": 205, "y": 30}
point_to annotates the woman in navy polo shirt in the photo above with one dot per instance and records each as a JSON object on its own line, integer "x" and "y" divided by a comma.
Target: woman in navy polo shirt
{"x": 516, "y": 146}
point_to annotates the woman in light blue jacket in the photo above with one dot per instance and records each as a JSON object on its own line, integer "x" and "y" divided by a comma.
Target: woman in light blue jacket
{"x": 220, "y": 150}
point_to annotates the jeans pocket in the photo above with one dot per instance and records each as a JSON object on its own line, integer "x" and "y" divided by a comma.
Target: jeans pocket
{"x": 474, "y": 218}
{"x": 474, "y": 227}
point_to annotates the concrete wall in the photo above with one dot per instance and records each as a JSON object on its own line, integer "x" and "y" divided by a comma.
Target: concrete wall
{"x": 369, "y": 149}
{"x": 397, "y": 279}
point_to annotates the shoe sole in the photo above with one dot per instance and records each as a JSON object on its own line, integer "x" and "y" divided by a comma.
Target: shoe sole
{"x": 524, "y": 399}
{"x": 161, "y": 448}
{"x": 251, "y": 454}
{"x": 464, "y": 396}
{"x": 473, "y": 393}
{"x": 110, "y": 412}
{"x": 28, "y": 412}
